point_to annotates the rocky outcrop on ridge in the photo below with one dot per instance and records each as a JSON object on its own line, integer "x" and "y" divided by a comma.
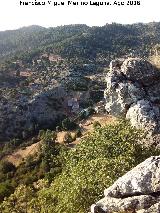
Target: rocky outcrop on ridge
{"x": 138, "y": 191}
{"x": 133, "y": 91}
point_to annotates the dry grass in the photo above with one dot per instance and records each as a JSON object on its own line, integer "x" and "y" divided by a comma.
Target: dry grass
{"x": 21, "y": 154}
{"x": 155, "y": 60}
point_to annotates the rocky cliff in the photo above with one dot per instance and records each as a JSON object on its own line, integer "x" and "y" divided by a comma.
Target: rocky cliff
{"x": 138, "y": 191}
{"x": 23, "y": 117}
{"x": 133, "y": 91}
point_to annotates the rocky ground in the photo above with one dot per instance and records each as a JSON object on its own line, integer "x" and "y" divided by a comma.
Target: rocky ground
{"x": 137, "y": 191}
{"x": 40, "y": 100}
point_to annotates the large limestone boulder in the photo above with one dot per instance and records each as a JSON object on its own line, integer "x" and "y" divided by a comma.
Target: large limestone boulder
{"x": 144, "y": 115}
{"x": 140, "y": 70}
{"x": 119, "y": 99}
{"x": 135, "y": 204}
{"x": 133, "y": 92}
{"x": 144, "y": 179}
{"x": 137, "y": 191}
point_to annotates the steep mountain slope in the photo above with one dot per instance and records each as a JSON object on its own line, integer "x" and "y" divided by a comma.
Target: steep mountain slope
{"x": 29, "y": 38}
{"x": 93, "y": 43}
{"x": 53, "y": 90}
{"x": 113, "y": 40}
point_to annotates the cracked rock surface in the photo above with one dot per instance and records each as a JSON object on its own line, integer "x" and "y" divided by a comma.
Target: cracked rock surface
{"x": 137, "y": 191}
{"x": 133, "y": 91}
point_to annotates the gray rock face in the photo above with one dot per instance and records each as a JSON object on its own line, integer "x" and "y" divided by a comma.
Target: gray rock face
{"x": 120, "y": 98}
{"x": 144, "y": 115}
{"x": 133, "y": 91}
{"x": 137, "y": 191}
{"x": 140, "y": 70}
{"x": 143, "y": 179}
{"x": 143, "y": 203}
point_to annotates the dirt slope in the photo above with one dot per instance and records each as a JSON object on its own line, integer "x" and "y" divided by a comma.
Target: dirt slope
{"x": 86, "y": 127}
{"x": 21, "y": 154}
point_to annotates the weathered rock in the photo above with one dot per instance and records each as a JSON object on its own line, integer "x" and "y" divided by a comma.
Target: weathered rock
{"x": 144, "y": 115}
{"x": 136, "y": 191}
{"x": 133, "y": 92}
{"x": 140, "y": 70}
{"x": 135, "y": 203}
{"x": 153, "y": 209}
{"x": 143, "y": 179}
{"x": 154, "y": 92}
{"x": 119, "y": 99}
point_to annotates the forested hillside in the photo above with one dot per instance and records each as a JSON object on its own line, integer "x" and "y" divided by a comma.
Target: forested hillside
{"x": 94, "y": 43}
{"x": 59, "y": 144}
{"x": 30, "y": 38}
{"x": 73, "y": 178}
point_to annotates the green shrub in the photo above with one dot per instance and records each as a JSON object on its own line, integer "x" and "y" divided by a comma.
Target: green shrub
{"x": 6, "y": 167}
{"x": 67, "y": 124}
{"x": 96, "y": 124}
{"x": 86, "y": 103}
{"x": 95, "y": 164}
{"x": 47, "y": 135}
{"x": 102, "y": 157}
{"x": 78, "y": 133}
{"x": 5, "y": 190}
{"x": 68, "y": 138}
{"x": 85, "y": 113}
{"x": 77, "y": 84}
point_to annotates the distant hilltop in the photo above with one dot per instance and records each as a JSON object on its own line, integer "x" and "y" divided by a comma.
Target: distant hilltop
{"x": 89, "y": 43}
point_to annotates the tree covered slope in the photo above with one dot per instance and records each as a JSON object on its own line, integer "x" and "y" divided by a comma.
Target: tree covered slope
{"x": 82, "y": 41}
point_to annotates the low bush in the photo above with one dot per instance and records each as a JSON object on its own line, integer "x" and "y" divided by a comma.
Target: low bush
{"x": 93, "y": 165}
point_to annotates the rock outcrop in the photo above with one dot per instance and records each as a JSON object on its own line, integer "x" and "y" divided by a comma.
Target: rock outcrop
{"x": 133, "y": 91}
{"x": 23, "y": 118}
{"x": 137, "y": 191}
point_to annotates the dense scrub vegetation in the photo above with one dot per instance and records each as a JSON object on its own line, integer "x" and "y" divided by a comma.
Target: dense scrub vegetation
{"x": 75, "y": 178}
{"x": 59, "y": 179}
{"x": 45, "y": 163}
{"x": 82, "y": 43}
{"x": 30, "y": 38}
